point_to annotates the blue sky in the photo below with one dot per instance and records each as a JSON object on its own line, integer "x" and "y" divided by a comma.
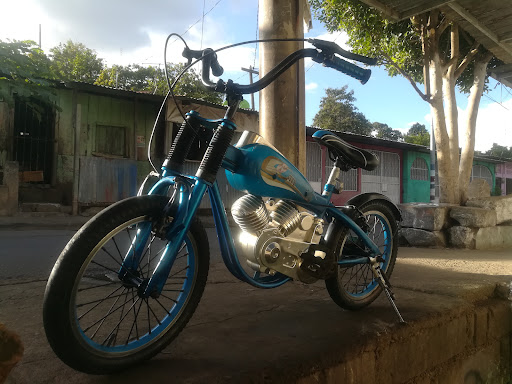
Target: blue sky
{"x": 124, "y": 32}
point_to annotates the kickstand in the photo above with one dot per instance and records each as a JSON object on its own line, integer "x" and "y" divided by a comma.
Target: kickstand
{"x": 386, "y": 287}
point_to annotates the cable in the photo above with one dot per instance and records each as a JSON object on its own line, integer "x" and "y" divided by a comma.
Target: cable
{"x": 312, "y": 64}
{"x": 187, "y": 67}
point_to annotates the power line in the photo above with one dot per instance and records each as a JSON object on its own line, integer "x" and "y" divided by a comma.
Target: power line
{"x": 497, "y": 102}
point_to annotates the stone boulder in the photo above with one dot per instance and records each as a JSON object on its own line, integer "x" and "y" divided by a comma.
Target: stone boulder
{"x": 430, "y": 217}
{"x": 421, "y": 238}
{"x": 499, "y": 237}
{"x": 474, "y": 217}
{"x": 462, "y": 237}
{"x": 479, "y": 188}
{"x": 501, "y": 204}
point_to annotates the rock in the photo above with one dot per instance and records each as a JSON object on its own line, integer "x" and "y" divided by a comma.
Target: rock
{"x": 430, "y": 217}
{"x": 421, "y": 238}
{"x": 462, "y": 237}
{"x": 474, "y": 217}
{"x": 501, "y": 204}
{"x": 499, "y": 237}
{"x": 11, "y": 351}
{"x": 479, "y": 188}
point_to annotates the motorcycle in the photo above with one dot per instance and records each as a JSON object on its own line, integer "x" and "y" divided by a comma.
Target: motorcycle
{"x": 131, "y": 278}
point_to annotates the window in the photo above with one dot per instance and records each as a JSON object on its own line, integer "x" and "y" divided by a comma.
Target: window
{"x": 481, "y": 172}
{"x": 111, "y": 140}
{"x": 349, "y": 179}
{"x": 419, "y": 169}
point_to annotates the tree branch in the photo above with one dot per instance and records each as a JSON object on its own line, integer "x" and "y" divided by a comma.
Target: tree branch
{"x": 467, "y": 59}
{"x": 407, "y": 76}
{"x": 442, "y": 26}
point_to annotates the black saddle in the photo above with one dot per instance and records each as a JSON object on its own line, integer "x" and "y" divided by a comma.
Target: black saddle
{"x": 353, "y": 156}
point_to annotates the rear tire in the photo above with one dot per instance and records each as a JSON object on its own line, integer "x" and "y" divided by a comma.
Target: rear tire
{"x": 98, "y": 324}
{"x": 355, "y": 287}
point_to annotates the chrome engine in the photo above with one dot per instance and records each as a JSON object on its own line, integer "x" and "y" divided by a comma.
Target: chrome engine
{"x": 275, "y": 234}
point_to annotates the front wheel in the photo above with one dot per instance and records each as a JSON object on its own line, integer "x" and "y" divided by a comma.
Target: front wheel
{"x": 355, "y": 287}
{"x": 97, "y": 322}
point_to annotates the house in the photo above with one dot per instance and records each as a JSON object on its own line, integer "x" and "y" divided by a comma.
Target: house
{"x": 92, "y": 151}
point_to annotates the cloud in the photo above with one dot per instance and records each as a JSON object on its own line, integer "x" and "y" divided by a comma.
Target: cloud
{"x": 311, "y": 86}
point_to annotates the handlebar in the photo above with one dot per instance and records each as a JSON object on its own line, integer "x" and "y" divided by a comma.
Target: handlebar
{"x": 324, "y": 52}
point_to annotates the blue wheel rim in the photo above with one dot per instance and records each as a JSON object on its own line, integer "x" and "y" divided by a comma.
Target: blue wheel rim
{"x": 160, "y": 315}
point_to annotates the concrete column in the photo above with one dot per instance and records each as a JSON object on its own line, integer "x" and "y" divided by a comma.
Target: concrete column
{"x": 282, "y": 103}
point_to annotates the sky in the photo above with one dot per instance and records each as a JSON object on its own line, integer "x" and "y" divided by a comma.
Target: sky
{"x": 126, "y": 31}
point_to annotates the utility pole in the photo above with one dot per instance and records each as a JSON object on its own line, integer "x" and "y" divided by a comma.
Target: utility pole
{"x": 282, "y": 103}
{"x": 251, "y": 71}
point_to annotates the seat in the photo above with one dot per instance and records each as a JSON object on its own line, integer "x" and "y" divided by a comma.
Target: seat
{"x": 353, "y": 156}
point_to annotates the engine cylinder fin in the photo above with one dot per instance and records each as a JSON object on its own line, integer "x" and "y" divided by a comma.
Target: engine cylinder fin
{"x": 286, "y": 216}
{"x": 250, "y": 213}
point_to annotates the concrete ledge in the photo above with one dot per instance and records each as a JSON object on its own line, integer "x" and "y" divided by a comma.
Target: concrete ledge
{"x": 458, "y": 326}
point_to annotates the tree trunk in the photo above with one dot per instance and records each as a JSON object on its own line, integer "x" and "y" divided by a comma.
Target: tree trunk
{"x": 451, "y": 112}
{"x": 468, "y": 148}
{"x": 446, "y": 174}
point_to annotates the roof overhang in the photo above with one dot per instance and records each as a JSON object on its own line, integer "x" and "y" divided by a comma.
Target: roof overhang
{"x": 489, "y": 22}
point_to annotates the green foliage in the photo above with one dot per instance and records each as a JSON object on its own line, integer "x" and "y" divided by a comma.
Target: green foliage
{"x": 338, "y": 113}
{"x": 24, "y": 72}
{"x": 384, "y": 131}
{"x": 75, "y": 62}
{"x": 500, "y": 151}
{"x": 152, "y": 80}
{"x": 372, "y": 35}
{"x": 418, "y": 134}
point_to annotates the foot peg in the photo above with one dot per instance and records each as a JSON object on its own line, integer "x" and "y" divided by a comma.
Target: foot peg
{"x": 386, "y": 286}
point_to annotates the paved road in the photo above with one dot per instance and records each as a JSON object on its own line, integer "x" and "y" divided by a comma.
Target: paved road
{"x": 30, "y": 255}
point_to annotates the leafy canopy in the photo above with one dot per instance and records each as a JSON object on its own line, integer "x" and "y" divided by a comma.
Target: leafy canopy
{"x": 418, "y": 134}
{"x": 75, "y": 62}
{"x": 397, "y": 45}
{"x": 25, "y": 72}
{"x": 152, "y": 80}
{"x": 338, "y": 113}
{"x": 384, "y": 131}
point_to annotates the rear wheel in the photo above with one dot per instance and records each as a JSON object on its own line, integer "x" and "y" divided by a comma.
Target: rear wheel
{"x": 356, "y": 287}
{"x": 98, "y": 323}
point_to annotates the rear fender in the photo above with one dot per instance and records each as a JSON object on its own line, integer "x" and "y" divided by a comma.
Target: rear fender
{"x": 364, "y": 198}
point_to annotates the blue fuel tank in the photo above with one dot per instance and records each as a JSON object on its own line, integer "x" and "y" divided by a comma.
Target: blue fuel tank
{"x": 263, "y": 171}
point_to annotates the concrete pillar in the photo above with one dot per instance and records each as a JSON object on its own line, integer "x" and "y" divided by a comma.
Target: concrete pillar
{"x": 282, "y": 103}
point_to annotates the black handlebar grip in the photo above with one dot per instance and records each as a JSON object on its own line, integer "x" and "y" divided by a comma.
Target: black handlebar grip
{"x": 347, "y": 68}
{"x": 332, "y": 47}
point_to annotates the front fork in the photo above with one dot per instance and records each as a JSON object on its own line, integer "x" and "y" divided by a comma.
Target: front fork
{"x": 183, "y": 206}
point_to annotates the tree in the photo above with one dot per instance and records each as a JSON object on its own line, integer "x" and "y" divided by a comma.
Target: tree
{"x": 418, "y": 134}
{"x": 338, "y": 113}
{"x": 25, "y": 73}
{"x": 75, "y": 62}
{"x": 152, "y": 80}
{"x": 500, "y": 151}
{"x": 426, "y": 49}
{"x": 384, "y": 131}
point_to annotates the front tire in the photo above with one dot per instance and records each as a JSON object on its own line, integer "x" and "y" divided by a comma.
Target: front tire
{"x": 355, "y": 287}
{"x": 97, "y": 323}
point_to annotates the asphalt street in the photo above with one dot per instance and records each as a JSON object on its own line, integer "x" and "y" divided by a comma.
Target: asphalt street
{"x": 30, "y": 255}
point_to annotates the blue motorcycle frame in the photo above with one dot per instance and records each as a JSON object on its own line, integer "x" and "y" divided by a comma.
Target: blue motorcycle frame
{"x": 188, "y": 192}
